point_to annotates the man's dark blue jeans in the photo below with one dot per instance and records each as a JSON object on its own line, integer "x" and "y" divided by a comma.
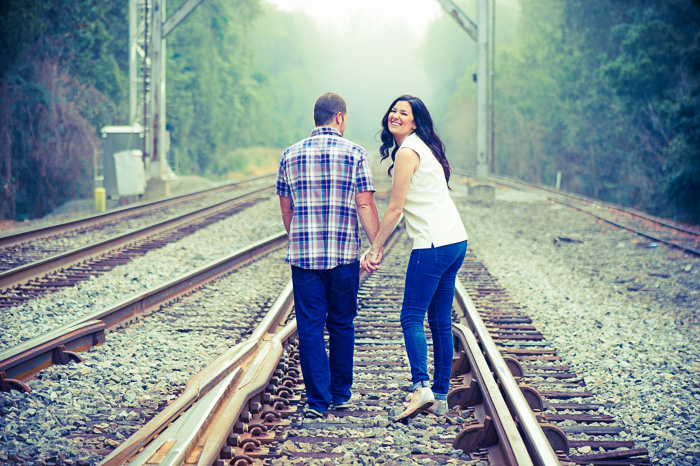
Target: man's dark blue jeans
{"x": 430, "y": 288}
{"x": 326, "y": 298}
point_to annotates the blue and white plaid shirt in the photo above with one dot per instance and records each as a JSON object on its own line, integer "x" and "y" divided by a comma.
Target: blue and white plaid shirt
{"x": 322, "y": 174}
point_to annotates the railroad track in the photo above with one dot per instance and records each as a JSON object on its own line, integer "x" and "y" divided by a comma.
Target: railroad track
{"x": 49, "y": 273}
{"x": 558, "y": 396}
{"x": 62, "y": 345}
{"x": 576, "y": 425}
{"x": 252, "y": 412}
{"x": 32, "y": 244}
{"x": 656, "y": 230}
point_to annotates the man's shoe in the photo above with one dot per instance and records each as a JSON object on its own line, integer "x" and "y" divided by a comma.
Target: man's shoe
{"x": 310, "y": 413}
{"x": 421, "y": 400}
{"x": 340, "y": 405}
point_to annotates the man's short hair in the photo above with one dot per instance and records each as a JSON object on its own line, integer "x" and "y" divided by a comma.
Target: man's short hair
{"x": 327, "y": 107}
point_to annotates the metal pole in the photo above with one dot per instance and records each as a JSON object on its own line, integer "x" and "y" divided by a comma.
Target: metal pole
{"x": 156, "y": 81}
{"x": 482, "y": 80}
{"x": 132, "y": 62}
{"x": 492, "y": 93}
{"x": 161, "y": 120}
{"x": 146, "y": 71}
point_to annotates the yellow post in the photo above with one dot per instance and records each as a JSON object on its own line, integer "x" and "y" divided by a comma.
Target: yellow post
{"x": 100, "y": 199}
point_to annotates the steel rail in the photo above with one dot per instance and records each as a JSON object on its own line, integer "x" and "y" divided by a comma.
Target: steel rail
{"x": 116, "y": 214}
{"x": 512, "y": 448}
{"x": 202, "y": 430}
{"x": 13, "y": 277}
{"x": 515, "y": 183}
{"x": 256, "y": 358}
{"x": 560, "y": 194}
{"x": 534, "y": 436}
{"x": 23, "y": 361}
{"x": 641, "y": 233}
{"x": 579, "y": 197}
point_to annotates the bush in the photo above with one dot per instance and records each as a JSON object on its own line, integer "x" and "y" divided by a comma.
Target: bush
{"x": 247, "y": 161}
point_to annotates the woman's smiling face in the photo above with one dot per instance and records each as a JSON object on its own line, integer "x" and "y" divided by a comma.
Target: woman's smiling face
{"x": 400, "y": 120}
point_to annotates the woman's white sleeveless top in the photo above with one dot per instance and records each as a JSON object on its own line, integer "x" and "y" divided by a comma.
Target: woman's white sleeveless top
{"x": 431, "y": 215}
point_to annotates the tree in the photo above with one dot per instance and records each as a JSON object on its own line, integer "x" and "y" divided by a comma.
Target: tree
{"x": 607, "y": 93}
{"x": 213, "y": 96}
{"x": 60, "y": 80}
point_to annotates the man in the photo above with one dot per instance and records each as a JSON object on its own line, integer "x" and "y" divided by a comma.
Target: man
{"x": 324, "y": 184}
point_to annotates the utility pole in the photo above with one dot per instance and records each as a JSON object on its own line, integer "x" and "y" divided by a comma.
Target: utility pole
{"x": 482, "y": 85}
{"x": 133, "y": 67}
{"x": 480, "y": 34}
{"x": 147, "y": 32}
{"x": 155, "y": 146}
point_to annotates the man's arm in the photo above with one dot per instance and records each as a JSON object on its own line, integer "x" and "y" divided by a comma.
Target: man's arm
{"x": 367, "y": 212}
{"x": 287, "y": 210}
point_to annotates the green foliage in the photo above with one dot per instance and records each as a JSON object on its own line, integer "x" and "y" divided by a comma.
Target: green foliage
{"x": 89, "y": 36}
{"x": 682, "y": 163}
{"x": 61, "y": 79}
{"x": 213, "y": 97}
{"x": 50, "y": 142}
{"x": 246, "y": 161}
{"x": 606, "y": 92}
{"x": 283, "y": 43}
{"x": 449, "y": 56}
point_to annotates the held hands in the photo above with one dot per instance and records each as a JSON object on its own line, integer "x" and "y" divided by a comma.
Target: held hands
{"x": 372, "y": 260}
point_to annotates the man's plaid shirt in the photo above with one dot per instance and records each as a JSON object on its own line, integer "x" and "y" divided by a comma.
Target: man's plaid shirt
{"x": 322, "y": 174}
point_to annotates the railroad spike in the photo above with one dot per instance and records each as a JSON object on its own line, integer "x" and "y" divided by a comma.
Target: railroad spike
{"x": 12, "y": 384}
{"x": 557, "y": 438}
{"x": 61, "y": 356}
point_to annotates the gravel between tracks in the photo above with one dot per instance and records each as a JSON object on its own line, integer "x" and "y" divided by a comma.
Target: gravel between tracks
{"x": 220, "y": 239}
{"x": 124, "y": 381}
{"x": 621, "y": 312}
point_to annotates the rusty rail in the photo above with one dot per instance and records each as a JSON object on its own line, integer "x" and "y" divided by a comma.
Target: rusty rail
{"x": 116, "y": 214}
{"x": 207, "y": 429}
{"x": 203, "y": 429}
{"x": 13, "y": 277}
{"x": 511, "y": 410}
{"x": 20, "y": 363}
{"x": 565, "y": 198}
{"x": 242, "y": 371}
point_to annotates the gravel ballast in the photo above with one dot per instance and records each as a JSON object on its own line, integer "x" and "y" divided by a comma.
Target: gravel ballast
{"x": 218, "y": 240}
{"x": 620, "y": 311}
{"x": 76, "y": 414}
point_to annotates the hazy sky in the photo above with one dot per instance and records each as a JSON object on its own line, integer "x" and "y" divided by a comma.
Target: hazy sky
{"x": 370, "y": 15}
{"x": 377, "y": 56}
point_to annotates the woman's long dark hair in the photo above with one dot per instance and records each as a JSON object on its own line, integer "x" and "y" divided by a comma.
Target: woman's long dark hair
{"x": 424, "y": 129}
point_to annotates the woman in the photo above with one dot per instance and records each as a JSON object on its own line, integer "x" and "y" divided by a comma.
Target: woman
{"x": 420, "y": 190}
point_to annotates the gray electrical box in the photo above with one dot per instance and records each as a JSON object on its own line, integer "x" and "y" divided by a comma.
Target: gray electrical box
{"x": 131, "y": 175}
{"x": 119, "y": 139}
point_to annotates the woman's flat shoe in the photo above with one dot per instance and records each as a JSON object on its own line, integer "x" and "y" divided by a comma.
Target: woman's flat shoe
{"x": 422, "y": 399}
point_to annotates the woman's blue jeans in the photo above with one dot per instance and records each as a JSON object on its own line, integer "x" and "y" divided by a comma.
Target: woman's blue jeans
{"x": 326, "y": 299}
{"x": 430, "y": 288}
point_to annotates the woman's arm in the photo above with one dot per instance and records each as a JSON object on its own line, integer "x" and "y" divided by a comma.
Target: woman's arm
{"x": 405, "y": 165}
